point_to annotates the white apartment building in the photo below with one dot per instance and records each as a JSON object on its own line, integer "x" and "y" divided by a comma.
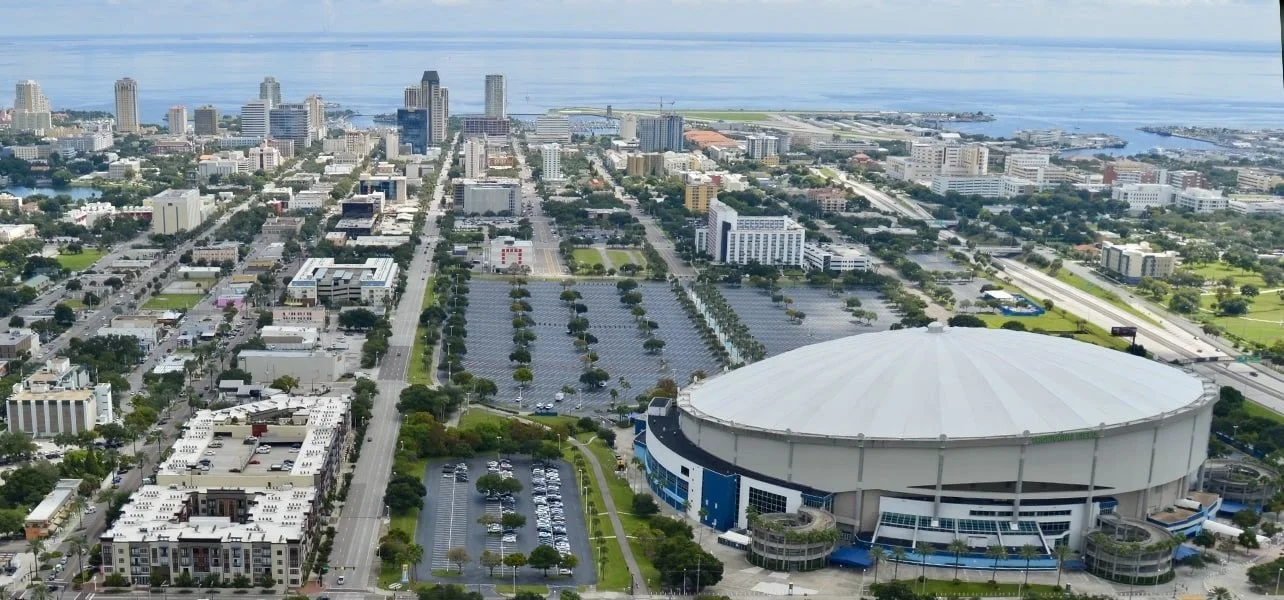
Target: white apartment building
{"x": 256, "y": 118}
{"x": 59, "y": 398}
{"x": 1134, "y": 261}
{"x": 264, "y": 158}
{"x": 952, "y": 159}
{"x": 552, "y": 154}
{"x": 308, "y": 200}
{"x": 125, "y": 168}
{"x": 552, "y": 128}
{"x": 90, "y": 141}
{"x": 176, "y": 211}
{"x": 986, "y": 186}
{"x": 176, "y": 119}
{"x": 827, "y": 257}
{"x": 1142, "y": 196}
{"x": 221, "y": 167}
{"x": 1201, "y": 200}
{"x": 506, "y": 251}
{"x": 736, "y": 239}
{"x": 475, "y": 157}
{"x": 322, "y": 280}
{"x": 760, "y": 146}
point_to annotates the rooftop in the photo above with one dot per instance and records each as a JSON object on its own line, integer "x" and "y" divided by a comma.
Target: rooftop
{"x": 156, "y": 513}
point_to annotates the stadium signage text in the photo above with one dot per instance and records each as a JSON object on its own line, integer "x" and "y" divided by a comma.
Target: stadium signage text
{"x": 1063, "y": 437}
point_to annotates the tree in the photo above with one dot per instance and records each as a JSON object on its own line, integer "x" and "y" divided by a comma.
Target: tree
{"x": 1185, "y": 300}
{"x": 413, "y": 555}
{"x": 996, "y": 552}
{"x": 1013, "y": 325}
{"x": 520, "y": 355}
{"x": 523, "y": 376}
{"x": 515, "y": 561}
{"x": 285, "y": 383}
{"x": 644, "y": 505}
{"x": 1246, "y": 518}
{"x": 490, "y": 560}
{"x": 653, "y": 345}
{"x": 876, "y": 555}
{"x": 568, "y": 561}
{"x": 923, "y": 549}
{"x": 957, "y": 547}
{"x": 1249, "y": 290}
{"x": 1027, "y": 552}
{"x": 966, "y": 321}
{"x": 1248, "y": 539}
{"x": 359, "y": 319}
{"x": 512, "y": 520}
{"x": 1220, "y": 593}
{"x": 898, "y": 556}
{"x": 1205, "y": 539}
{"x": 484, "y": 388}
{"x": 403, "y": 493}
{"x": 64, "y": 315}
{"x": 543, "y": 558}
{"x": 1061, "y": 552}
{"x": 1233, "y": 306}
{"x": 459, "y": 556}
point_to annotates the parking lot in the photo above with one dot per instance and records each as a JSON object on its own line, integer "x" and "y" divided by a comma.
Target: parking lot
{"x": 555, "y": 362}
{"x": 826, "y": 318}
{"x": 454, "y": 507}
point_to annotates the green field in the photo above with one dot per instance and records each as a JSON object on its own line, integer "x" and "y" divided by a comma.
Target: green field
{"x": 623, "y": 257}
{"x": 588, "y": 256}
{"x": 417, "y": 371}
{"x": 172, "y": 302}
{"x": 1264, "y": 323}
{"x": 727, "y": 115}
{"x": 80, "y": 262}
{"x": 1254, "y": 409}
{"x": 1057, "y": 322}
{"x": 1100, "y": 292}
{"x": 476, "y": 416}
{"x": 508, "y": 588}
{"x": 1214, "y": 272}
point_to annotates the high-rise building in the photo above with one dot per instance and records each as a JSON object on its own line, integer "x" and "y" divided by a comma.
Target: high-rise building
{"x": 698, "y": 196}
{"x": 629, "y": 127}
{"x": 255, "y": 118}
{"x": 413, "y": 127}
{"x": 440, "y": 115}
{"x": 475, "y": 157}
{"x": 206, "y": 120}
{"x": 552, "y": 162}
{"x": 289, "y": 121}
{"x": 127, "y": 106}
{"x": 496, "y": 97}
{"x": 176, "y": 211}
{"x": 270, "y": 90}
{"x": 736, "y": 239}
{"x": 177, "y": 120}
{"x": 316, "y": 116}
{"x": 657, "y": 134}
{"x": 552, "y": 128}
{"x": 429, "y": 85}
{"x": 30, "y": 108}
{"x": 760, "y": 146}
{"x": 391, "y": 145}
{"x": 414, "y": 97}
{"x": 264, "y": 158}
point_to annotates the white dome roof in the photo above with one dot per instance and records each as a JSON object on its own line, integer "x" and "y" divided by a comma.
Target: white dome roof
{"x": 959, "y": 382}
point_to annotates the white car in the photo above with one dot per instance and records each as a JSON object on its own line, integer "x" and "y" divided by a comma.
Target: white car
{"x": 509, "y": 539}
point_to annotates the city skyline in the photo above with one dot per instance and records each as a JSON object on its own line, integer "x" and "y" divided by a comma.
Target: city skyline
{"x": 1247, "y": 20}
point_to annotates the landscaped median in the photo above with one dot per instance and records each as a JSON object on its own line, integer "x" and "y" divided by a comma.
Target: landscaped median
{"x": 421, "y": 354}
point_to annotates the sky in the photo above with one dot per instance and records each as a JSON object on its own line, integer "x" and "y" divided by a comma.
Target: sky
{"x": 1222, "y": 20}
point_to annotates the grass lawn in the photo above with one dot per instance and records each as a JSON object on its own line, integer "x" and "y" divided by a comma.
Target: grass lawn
{"x": 542, "y": 590}
{"x": 1254, "y": 409}
{"x": 623, "y": 498}
{"x": 475, "y": 417}
{"x": 1214, "y": 272}
{"x": 1264, "y": 323}
{"x": 80, "y": 262}
{"x": 1057, "y": 322}
{"x": 588, "y": 256}
{"x": 172, "y": 302}
{"x": 390, "y": 573}
{"x": 552, "y": 421}
{"x": 419, "y": 370}
{"x": 75, "y": 303}
{"x": 1100, "y": 292}
{"x": 727, "y": 115}
{"x": 623, "y": 257}
{"x": 944, "y": 587}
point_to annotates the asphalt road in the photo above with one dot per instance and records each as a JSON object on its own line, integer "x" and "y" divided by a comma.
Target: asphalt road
{"x": 361, "y": 520}
{"x": 663, "y": 245}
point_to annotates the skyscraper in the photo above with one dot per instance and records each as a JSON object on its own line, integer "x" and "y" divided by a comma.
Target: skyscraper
{"x": 255, "y": 119}
{"x": 440, "y": 115}
{"x": 127, "y": 106}
{"x": 316, "y": 116}
{"x": 177, "y": 120}
{"x": 207, "y": 120}
{"x": 496, "y": 97}
{"x": 429, "y": 85}
{"x": 413, "y": 97}
{"x": 30, "y": 108}
{"x": 552, "y": 162}
{"x": 474, "y": 157}
{"x": 657, "y": 134}
{"x": 289, "y": 121}
{"x": 412, "y": 128}
{"x": 270, "y": 90}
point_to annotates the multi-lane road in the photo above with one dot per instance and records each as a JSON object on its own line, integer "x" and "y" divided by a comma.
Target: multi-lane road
{"x": 654, "y": 234}
{"x": 361, "y": 519}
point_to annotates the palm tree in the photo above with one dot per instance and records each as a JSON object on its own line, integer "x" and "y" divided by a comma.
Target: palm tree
{"x": 35, "y": 547}
{"x": 898, "y": 556}
{"x": 78, "y": 546}
{"x": 876, "y": 555}
{"x": 1061, "y": 552}
{"x": 1219, "y": 593}
{"x": 957, "y": 547}
{"x": 998, "y": 553}
{"x": 1027, "y": 552}
{"x": 39, "y": 591}
{"x": 923, "y": 549}
{"x": 414, "y": 554}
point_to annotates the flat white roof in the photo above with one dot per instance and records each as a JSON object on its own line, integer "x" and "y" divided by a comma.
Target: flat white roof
{"x": 154, "y": 513}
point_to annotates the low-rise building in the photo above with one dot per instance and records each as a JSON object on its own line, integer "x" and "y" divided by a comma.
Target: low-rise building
{"x": 191, "y": 272}
{"x": 698, "y": 195}
{"x": 53, "y": 510}
{"x": 1201, "y": 200}
{"x": 283, "y": 227}
{"x": 1134, "y": 261}
{"x": 287, "y": 337}
{"x": 124, "y": 169}
{"x": 306, "y": 316}
{"x": 144, "y": 328}
{"x": 1143, "y": 196}
{"x": 1245, "y": 204}
{"x": 829, "y": 257}
{"x": 19, "y": 343}
{"x": 310, "y": 367}
{"x": 506, "y": 252}
{"x": 12, "y": 232}
{"x": 1256, "y": 180}
{"x": 986, "y": 186}
{"x": 308, "y": 200}
{"x": 322, "y": 280}
{"x": 217, "y": 253}
{"x": 59, "y": 398}
{"x": 479, "y": 196}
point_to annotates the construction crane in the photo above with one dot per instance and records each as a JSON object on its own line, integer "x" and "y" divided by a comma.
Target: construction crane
{"x": 664, "y": 104}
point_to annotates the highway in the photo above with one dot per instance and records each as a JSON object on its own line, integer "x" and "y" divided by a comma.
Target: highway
{"x": 881, "y": 201}
{"x": 654, "y": 234}
{"x": 361, "y": 521}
